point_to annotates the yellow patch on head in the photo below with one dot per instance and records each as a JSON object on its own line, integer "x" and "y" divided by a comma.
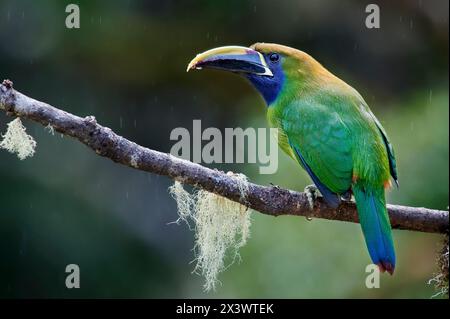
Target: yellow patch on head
{"x": 301, "y": 63}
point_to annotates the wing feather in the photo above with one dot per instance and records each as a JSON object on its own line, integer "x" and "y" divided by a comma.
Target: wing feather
{"x": 323, "y": 142}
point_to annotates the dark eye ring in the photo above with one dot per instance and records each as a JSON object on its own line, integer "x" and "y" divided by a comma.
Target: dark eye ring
{"x": 274, "y": 57}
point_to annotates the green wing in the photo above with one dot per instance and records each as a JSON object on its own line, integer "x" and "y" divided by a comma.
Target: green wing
{"x": 387, "y": 144}
{"x": 321, "y": 138}
{"x": 390, "y": 151}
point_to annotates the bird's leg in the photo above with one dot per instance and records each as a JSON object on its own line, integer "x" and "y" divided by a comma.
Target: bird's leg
{"x": 311, "y": 192}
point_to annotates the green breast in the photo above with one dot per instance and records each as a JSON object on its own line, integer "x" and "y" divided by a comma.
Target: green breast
{"x": 274, "y": 119}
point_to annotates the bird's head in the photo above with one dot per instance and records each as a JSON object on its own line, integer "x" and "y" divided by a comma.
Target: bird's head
{"x": 269, "y": 67}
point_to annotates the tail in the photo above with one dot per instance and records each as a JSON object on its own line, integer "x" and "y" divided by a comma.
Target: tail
{"x": 374, "y": 220}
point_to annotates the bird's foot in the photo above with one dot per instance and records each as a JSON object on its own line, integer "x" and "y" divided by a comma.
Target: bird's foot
{"x": 347, "y": 196}
{"x": 311, "y": 192}
{"x": 274, "y": 186}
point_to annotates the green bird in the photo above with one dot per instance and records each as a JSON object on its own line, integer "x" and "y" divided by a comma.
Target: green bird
{"x": 326, "y": 126}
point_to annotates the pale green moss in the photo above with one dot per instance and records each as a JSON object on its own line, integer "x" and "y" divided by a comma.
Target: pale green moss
{"x": 185, "y": 202}
{"x": 440, "y": 279}
{"x": 16, "y": 140}
{"x": 221, "y": 226}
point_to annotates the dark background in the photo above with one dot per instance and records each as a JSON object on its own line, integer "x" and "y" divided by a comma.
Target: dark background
{"x": 126, "y": 65}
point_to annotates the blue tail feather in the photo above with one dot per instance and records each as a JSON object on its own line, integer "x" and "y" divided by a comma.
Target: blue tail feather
{"x": 375, "y": 225}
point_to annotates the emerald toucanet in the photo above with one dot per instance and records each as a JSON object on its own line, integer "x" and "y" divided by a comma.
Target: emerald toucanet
{"x": 326, "y": 126}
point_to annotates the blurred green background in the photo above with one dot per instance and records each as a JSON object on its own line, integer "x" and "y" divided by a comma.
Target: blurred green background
{"x": 126, "y": 65}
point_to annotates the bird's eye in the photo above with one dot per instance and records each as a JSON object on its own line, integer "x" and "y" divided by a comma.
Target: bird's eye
{"x": 274, "y": 57}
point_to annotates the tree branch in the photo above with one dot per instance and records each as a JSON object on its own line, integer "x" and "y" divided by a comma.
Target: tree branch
{"x": 273, "y": 201}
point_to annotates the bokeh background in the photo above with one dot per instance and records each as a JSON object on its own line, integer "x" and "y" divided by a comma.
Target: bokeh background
{"x": 126, "y": 65}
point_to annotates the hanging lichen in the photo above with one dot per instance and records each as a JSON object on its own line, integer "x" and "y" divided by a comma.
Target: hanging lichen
{"x": 221, "y": 227}
{"x": 440, "y": 279}
{"x": 16, "y": 140}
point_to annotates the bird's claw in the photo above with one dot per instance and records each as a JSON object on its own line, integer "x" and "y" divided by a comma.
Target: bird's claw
{"x": 347, "y": 196}
{"x": 311, "y": 192}
{"x": 274, "y": 186}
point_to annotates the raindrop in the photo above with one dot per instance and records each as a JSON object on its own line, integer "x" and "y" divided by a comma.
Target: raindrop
{"x": 121, "y": 122}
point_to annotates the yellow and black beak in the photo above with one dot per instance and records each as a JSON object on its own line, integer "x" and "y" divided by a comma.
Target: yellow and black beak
{"x": 232, "y": 58}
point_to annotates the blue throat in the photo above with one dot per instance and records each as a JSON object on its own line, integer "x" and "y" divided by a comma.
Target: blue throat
{"x": 269, "y": 87}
